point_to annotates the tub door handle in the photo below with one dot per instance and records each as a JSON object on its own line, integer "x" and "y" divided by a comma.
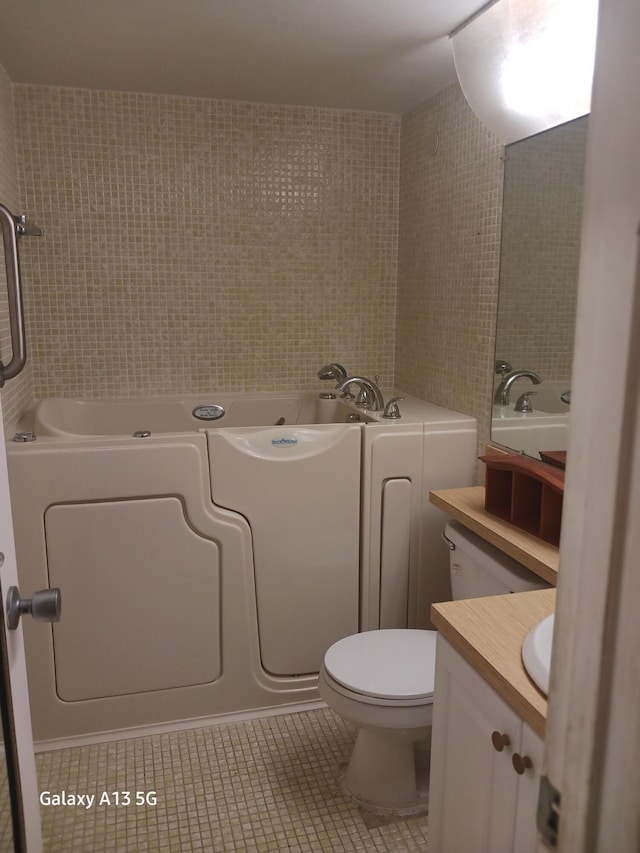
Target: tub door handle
{"x": 44, "y": 606}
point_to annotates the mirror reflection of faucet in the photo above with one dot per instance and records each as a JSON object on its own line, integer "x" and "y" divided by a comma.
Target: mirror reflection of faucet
{"x": 524, "y": 403}
{"x": 502, "y": 392}
{"x": 502, "y": 367}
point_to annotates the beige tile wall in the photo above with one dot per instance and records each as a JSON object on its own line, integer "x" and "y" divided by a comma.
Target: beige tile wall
{"x": 18, "y": 391}
{"x": 194, "y": 245}
{"x": 449, "y": 248}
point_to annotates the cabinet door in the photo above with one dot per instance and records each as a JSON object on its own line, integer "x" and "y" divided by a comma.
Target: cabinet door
{"x": 526, "y": 835}
{"x": 473, "y": 787}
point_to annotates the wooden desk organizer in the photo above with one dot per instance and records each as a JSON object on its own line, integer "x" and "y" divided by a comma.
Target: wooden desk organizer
{"x": 526, "y": 493}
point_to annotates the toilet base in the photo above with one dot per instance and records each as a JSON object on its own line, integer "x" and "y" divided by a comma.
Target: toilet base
{"x": 388, "y": 773}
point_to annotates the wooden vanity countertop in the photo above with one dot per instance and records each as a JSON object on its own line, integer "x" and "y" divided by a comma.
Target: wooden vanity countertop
{"x": 467, "y": 506}
{"x": 488, "y": 633}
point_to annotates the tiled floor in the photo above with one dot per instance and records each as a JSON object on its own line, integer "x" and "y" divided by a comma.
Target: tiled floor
{"x": 266, "y": 786}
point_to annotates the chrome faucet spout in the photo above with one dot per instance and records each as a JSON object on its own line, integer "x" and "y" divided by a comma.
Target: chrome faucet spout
{"x": 502, "y": 392}
{"x": 375, "y": 401}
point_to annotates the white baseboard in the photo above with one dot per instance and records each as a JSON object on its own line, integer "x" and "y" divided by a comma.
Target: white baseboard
{"x": 176, "y": 726}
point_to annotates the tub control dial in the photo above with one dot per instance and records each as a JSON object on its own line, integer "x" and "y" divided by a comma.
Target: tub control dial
{"x": 208, "y": 412}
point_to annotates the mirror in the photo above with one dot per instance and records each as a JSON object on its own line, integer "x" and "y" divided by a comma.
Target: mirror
{"x": 539, "y": 262}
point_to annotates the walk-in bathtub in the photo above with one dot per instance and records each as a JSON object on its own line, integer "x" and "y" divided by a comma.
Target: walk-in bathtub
{"x": 209, "y": 549}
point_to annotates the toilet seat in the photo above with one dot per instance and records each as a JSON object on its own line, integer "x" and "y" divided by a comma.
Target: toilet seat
{"x": 389, "y": 665}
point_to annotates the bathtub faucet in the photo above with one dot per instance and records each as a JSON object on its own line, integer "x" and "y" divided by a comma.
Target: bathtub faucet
{"x": 333, "y": 371}
{"x": 502, "y": 392}
{"x": 370, "y": 396}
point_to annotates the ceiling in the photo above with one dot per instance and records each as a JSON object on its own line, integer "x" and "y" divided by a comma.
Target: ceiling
{"x": 379, "y": 55}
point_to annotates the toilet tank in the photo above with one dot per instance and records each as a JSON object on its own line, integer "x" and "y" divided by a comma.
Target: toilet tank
{"x": 479, "y": 569}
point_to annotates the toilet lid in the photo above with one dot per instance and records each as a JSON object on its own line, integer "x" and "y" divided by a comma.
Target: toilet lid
{"x": 387, "y": 664}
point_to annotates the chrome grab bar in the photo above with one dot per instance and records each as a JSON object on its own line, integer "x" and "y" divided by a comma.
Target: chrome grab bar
{"x": 11, "y": 226}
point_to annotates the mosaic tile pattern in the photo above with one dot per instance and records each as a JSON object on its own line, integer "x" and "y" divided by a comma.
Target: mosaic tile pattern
{"x": 264, "y": 786}
{"x": 448, "y": 257}
{"x": 19, "y": 391}
{"x": 195, "y": 245}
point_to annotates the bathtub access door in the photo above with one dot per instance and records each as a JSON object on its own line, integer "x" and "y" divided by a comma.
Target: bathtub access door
{"x": 299, "y": 489}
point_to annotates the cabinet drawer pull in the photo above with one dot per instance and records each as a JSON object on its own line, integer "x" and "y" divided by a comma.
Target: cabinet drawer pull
{"x": 499, "y": 741}
{"x": 521, "y": 763}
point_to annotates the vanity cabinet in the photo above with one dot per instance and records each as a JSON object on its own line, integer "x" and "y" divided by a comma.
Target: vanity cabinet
{"x": 485, "y": 766}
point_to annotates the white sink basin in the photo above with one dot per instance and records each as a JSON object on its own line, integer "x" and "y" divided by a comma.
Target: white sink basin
{"x": 536, "y": 653}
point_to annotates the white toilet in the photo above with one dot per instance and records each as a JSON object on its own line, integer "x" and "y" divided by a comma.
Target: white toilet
{"x": 383, "y": 681}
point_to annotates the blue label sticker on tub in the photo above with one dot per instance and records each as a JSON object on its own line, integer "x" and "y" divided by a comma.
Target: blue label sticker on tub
{"x": 283, "y": 442}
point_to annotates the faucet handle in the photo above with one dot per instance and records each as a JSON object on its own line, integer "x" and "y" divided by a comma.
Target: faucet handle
{"x": 524, "y": 403}
{"x": 392, "y": 410}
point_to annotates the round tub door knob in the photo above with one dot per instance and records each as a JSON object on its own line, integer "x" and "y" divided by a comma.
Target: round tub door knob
{"x": 500, "y": 740}
{"x": 521, "y": 763}
{"x": 44, "y": 606}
